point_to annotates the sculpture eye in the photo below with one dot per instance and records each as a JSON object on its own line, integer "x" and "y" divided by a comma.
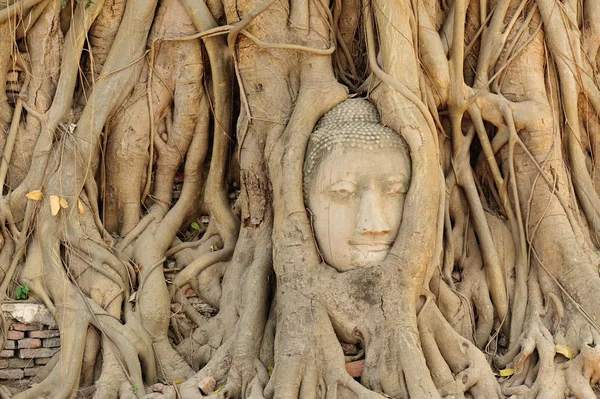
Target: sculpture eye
{"x": 398, "y": 188}
{"x": 343, "y": 193}
{"x": 343, "y": 189}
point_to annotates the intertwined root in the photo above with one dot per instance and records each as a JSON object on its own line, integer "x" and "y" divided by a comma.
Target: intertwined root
{"x": 457, "y": 365}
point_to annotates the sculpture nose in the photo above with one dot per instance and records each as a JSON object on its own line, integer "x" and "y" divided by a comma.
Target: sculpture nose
{"x": 371, "y": 217}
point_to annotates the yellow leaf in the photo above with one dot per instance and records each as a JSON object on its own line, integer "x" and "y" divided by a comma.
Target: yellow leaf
{"x": 507, "y": 372}
{"x": 177, "y": 382}
{"x": 54, "y": 204}
{"x": 34, "y": 195}
{"x": 565, "y": 350}
{"x": 80, "y": 206}
{"x": 63, "y": 203}
{"x": 219, "y": 389}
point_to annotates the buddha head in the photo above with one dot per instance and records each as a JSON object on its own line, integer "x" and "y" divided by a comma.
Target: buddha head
{"x": 356, "y": 176}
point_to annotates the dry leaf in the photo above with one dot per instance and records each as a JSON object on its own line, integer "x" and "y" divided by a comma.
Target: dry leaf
{"x": 133, "y": 297}
{"x": 80, "y": 206}
{"x": 54, "y": 204}
{"x": 506, "y": 372}
{"x": 566, "y": 351}
{"x": 63, "y": 203}
{"x": 34, "y": 195}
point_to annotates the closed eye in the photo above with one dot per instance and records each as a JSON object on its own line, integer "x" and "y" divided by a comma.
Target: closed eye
{"x": 343, "y": 192}
{"x": 397, "y": 189}
{"x": 343, "y": 189}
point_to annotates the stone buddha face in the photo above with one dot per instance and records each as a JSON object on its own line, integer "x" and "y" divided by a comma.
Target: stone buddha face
{"x": 356, "y": 176}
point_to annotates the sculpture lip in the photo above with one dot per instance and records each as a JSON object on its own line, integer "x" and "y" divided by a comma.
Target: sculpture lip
{"x": 371, "y": 246}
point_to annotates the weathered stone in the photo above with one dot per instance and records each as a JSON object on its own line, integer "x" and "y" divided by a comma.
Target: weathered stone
{"x": 3, "y": 363}
{"x": 29, "y": 313}
{"x": 11, "y": 374}
{"x": 30, "y": 372}
{"x": 7, "y": 353}
{"x": 16, "y": 363}
{"x": 16, "y": 335}
{"x": 158, "y": 387}
{"x": 35, "y": 353}
{"x": 10, "y": 345}
{"x": 24, "y": 327}
{"x": 27, "y": 343}
{"x": 51, "y": 342}
{"x": 42, "y": 360}
{"x": 44, "y": 334}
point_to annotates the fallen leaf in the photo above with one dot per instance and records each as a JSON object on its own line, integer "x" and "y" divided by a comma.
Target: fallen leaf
{"x": 63, "y": 203}
{"x": 80, "y": 206}
{"x": 54, "y": 204}
{"x": 34, "y": 195}
{"x": 507, "y": 372}
{"x": 565, "y": 350}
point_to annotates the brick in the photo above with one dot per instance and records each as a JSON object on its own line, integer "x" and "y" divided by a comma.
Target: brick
{"x": 51, "y": 342}
{"x": 35, "y": 353}
{"x": 7, "y": 353}
{"x": 3, "y": 363}
{"x": 25, "y": 327}
{"x": 16, "y": 335}
{"x": 42, "y": 360}
{"x": 16, "y": 363}
{"x": 44, "y": 334}
{"x": 30, "y": 372}
{"x": 355, "y": 368}
{"x": 10, "y": 345}
{"x": 30, "y": 343}
{"x": 11, "y": 374}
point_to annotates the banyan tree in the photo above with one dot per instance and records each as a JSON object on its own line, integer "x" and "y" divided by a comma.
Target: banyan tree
{"x": 410, "y": 186}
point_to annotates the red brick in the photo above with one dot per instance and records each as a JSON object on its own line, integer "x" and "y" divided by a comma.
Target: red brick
{"x": 30, "y": 343}
{"x": 51, "y": 342}
{"x": 42, "y": 360}
{"x": 11, "y": 374}
{"x": 35, "y": 353}
{"x": 30, "y": 372}
{"x": 355, "y": 368}
{"x": 16, "y": 335}
{"x": 44, "y": 334}
{"x": 3, "y": 363}
{"x": 25, "y": 327}
{"x": 10, "y": 345}
{"x": 16, "y": 363}
{"x": 7, "y": 353}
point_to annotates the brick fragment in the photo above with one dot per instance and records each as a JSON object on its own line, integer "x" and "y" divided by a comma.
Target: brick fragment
{"x": 27, "y": 343}
{"x": 51, "y": 343}
{"x": 16, "y": 335}
{"x": 35, "y": 353}
{"x": 30, "y": 372}
{"x": 3, "y": 363}
{"x": 25, "y": 327}
{"x": 11, "y": 374}
{"x": 16, "y": 363}
{"x": 7, "y": 353}
{"x": 207, "y": 385}
{"x": 10, "y": 345}
{"x": 44, "y": 334}
{"x": 355, "y": 368}
{"x": 40, "y": 361}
